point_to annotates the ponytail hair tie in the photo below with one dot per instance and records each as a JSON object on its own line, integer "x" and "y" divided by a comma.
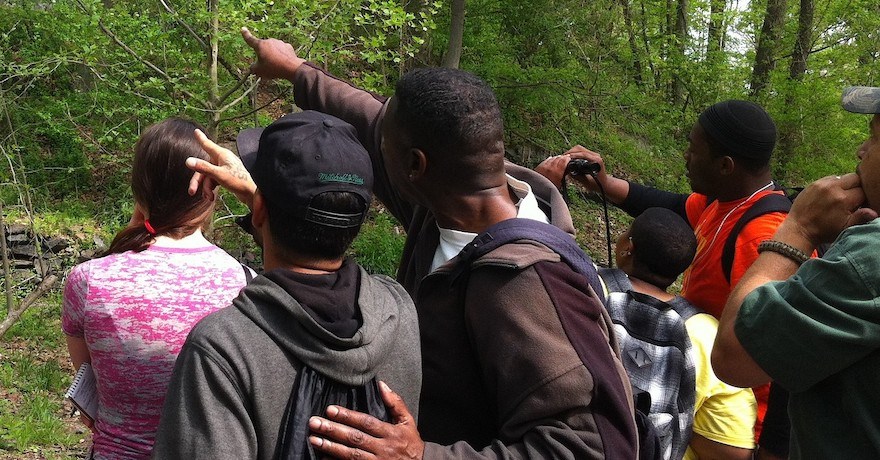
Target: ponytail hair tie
{"x": 150, "y": 229}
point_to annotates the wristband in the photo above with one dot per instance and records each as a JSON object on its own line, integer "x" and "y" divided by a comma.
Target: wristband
{"x": 786, "y": 250}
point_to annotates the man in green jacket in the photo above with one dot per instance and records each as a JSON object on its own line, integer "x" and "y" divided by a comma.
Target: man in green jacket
{"x": 813, "y": 325}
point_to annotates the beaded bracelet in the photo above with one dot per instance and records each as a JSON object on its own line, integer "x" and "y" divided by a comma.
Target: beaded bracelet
{"x": 790, "y": 252}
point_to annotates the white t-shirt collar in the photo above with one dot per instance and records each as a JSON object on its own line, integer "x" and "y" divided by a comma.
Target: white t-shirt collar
{"x": 453, "y": 241}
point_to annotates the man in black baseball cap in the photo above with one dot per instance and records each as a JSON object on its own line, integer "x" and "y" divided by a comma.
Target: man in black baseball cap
{"x": 302, "y": 156}
{"x": 314, "y": 328}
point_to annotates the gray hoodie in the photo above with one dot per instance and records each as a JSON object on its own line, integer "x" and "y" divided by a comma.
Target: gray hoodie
{"x": 235, "y": 373}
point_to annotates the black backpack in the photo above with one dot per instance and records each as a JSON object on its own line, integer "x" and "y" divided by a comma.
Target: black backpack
{"x": 655, "y": 349}
{"x": 773, "y": 202}
{"x": 311, "y": 394}
{"x": 571, "y": 317}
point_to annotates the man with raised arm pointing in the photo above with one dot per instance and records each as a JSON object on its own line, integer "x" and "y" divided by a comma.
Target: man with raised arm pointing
{"x": 501, "y": 379}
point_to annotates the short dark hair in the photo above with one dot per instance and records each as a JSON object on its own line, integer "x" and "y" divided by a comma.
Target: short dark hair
{"x": 664, "y": 246}
{"x": 454, "y": 117}
{"x": 297, "y": 236}
{"x": 159, "y": 183}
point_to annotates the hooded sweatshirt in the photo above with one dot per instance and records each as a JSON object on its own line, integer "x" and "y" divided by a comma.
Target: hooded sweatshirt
{"x": 236, "y": 371}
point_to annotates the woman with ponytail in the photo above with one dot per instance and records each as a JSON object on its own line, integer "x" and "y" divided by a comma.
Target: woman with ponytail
{"x": 128, "y": 312}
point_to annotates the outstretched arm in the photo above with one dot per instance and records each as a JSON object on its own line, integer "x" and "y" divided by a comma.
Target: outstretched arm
{"x": 315, "y": 89}
{"x": 630, "y": 197}
{"x": 275, "y": 58}
{"x": 553, "y": 168}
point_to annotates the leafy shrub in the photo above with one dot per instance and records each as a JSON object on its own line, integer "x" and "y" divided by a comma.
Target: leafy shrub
{"x": 379, "y": 245}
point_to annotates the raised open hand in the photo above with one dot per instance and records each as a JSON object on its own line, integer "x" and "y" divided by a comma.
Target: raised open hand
{"x": 225, "y": 169}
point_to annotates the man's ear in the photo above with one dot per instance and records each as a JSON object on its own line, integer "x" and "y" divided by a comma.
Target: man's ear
{"x": 259, "y": 215}
{"x": 627, "y": 245}
{"x": 728, "y": 165}
{"x": 418, "y": 164}
{"x": 259, "y": 219}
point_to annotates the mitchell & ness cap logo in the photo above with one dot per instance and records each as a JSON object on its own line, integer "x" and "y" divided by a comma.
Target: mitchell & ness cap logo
{"x": 346, "y": 178}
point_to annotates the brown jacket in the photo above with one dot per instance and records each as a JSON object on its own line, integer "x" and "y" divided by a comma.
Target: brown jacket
{"x": 500, "y": 377}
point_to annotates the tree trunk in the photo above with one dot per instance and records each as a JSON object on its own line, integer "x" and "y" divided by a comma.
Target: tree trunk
{"x": 678, "y": 57}
{"x": 633, "y": 48}
{"x": 791, "y": 131}
{"x": 715, "y": 43}
{"x": 214, "y": 89}
{"x": 456, "y": 35}
{"x": 767, "y": 44}
{"x": 804, "y": 42}
{"x": 644, "y": 26}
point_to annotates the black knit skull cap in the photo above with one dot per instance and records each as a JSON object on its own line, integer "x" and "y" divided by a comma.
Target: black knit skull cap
{"x": 742, "y": 128}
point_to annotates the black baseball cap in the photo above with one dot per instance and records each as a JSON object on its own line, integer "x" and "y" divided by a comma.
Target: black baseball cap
{"x": 302, "y": 155}
{"x": 861, "y": 99}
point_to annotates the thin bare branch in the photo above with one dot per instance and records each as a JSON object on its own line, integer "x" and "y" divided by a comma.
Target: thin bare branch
{"x": 205, "y": 46}
{"x": 317, "y": 31}
{"x": 821, "y": 48}
{"x": 142, "y": 60}
{"x": 223, "y": 120}
{"x": 239, "y": 98}
{"x": 15, "y": 313}
{"x": 235, "y": 88}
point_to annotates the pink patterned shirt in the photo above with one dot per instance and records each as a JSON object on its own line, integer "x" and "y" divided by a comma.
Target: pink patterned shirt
{"x": 134, "y": 311}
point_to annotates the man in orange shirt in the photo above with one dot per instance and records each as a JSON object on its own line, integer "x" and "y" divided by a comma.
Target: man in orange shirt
{"x": 728, "y": 166}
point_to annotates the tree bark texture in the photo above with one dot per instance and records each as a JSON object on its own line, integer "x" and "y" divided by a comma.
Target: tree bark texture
{"x": 681, "y": 40}
{"x": 456, "y": 35}
{"x": 633, "y": 47}
{"x": 804, "y": 42}
{"x": 214, "y": 90}
{"x": 715, "y": 42}
{"x": 767, "y": 44}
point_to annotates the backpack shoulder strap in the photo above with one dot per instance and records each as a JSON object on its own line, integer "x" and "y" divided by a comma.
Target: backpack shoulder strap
{"x": 684, "y": 308}
{"x": 527, "y": 229}
{"x": 773, "y": 202}
{"x": 615, "y": 280}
